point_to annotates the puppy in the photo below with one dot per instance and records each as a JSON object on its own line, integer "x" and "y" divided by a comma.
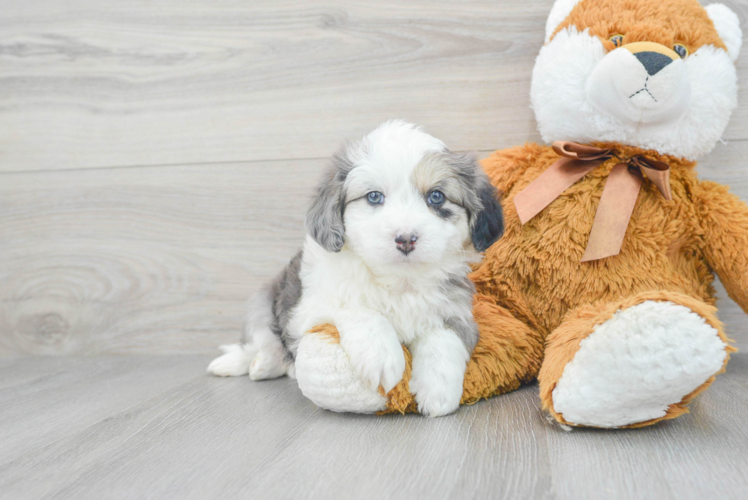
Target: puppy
{"x": 392, "y": 231}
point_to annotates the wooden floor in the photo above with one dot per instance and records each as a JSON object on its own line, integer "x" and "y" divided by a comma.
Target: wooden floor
{"x": 157, "y": 427}
{"x": 155, "y": 160}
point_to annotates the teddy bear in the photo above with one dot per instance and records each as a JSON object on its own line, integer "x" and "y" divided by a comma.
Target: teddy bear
{"x": 601, "y": 288}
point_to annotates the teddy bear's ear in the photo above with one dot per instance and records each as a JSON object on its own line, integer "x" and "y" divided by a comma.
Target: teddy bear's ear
{"x": 560, "y": 11}
{"x": 728, "y": 27}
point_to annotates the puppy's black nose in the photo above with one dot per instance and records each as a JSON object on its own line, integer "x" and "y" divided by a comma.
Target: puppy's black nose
{"x": 653, "y": 62}
{"x": 406, "y": 243}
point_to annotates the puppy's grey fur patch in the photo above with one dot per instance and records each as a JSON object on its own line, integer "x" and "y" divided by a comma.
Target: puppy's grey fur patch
{"x": 324, "y": 219}
{"x": 274, "y": 304}
{"x": 461, "y": 289}
{"x": 463, "y": 182}
{"x": 480, "y": 200}
{"x": 286, "y": 291}
{"x": 444, "y": 213}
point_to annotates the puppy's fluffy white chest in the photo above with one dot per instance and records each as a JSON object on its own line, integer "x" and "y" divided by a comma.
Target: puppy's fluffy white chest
{"x": 413, "y": 309}
{"x": 413, "y": 300}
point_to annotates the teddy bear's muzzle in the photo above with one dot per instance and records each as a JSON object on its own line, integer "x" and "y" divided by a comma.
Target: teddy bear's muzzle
{"x": 641, "y": 83}
{"x": 653, "y": 56}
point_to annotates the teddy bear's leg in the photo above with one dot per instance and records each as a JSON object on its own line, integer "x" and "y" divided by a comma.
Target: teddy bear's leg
{"x": 326, "y": 376}
{"x": 631, "y": 363}
{"x": 508, "y": 354}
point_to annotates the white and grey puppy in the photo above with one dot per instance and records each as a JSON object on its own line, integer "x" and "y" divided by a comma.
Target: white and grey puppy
{"x": 392, "y": 230}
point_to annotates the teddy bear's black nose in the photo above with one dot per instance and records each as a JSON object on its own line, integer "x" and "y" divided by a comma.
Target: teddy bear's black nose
{"x": 653, "y": 61}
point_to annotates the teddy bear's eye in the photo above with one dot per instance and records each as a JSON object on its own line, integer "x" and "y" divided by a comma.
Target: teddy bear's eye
{"x": 681, "y": 50}
{"x": 617, "y": 40}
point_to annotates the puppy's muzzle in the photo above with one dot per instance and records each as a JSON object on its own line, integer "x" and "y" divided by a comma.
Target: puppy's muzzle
{"x": 406, "y": 243}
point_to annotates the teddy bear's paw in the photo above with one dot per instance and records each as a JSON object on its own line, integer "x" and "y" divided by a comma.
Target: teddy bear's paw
{"x": 327, "y": 377}
{"x": 631, "y": 368}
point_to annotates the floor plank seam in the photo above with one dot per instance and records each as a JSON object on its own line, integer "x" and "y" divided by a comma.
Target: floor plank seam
{"x": 195, "y": 164}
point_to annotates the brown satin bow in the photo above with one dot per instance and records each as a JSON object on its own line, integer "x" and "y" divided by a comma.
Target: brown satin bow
{"x": 618, "y": 198}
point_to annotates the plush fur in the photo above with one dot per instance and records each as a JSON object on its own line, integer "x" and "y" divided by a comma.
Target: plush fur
{"x": 628, "y": 340}
{"x": 392, "y": 231}
{"x": 687, "y": 104}
{"x": 607, "y": 384}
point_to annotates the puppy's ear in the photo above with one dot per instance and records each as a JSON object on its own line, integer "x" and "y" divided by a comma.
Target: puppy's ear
{"x": 488, "y": 223}
{"x": 324, "y": 219}
{"x": 479, "y": 198}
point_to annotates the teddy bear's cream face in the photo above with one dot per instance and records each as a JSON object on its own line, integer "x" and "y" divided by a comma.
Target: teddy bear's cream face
{"x": 641, "y": 83}
{"x": 659, "y": 75}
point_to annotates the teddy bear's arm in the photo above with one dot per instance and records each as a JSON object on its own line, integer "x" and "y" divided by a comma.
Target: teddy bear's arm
{"x": 724, "y": 219}
{"x": 505, "y": 166}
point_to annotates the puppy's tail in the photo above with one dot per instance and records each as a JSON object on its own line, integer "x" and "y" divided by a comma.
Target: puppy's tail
{"x": 235, "y": 362}
{"x": 261, "y": 354}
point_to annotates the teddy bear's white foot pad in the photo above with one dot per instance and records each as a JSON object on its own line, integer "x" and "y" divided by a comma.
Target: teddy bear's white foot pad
{"x": 633, "y": 366}
{"x": 326, "y": 376}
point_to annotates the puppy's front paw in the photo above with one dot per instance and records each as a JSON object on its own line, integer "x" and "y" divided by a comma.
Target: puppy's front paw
{"x": 436, "y": 396}
{"x": 436, "y": 393}
{"x": 378, "y": 361}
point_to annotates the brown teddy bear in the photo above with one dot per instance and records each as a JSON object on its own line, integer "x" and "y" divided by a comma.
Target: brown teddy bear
{"x": 601, "y": 287}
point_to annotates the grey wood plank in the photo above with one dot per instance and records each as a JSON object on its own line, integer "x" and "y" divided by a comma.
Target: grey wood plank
{"x": 48, "y": 399}
{"x": 171, "y": 443}
{"x": 136, "y": 82}
{"x": 173, "y": 82}
{"x": 140, "y": 259}
{"x": 701, "y": 455}
{"x": 493, "y": 449}
{"x": 205, "y": 437}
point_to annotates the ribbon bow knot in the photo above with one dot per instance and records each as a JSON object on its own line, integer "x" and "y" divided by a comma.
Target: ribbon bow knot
{"x": 618, "y": 198}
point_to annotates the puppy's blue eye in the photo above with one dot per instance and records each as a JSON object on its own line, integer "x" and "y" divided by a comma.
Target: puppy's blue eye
{"x": 375, "y": 198}
{"x": 436, "y": 198}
